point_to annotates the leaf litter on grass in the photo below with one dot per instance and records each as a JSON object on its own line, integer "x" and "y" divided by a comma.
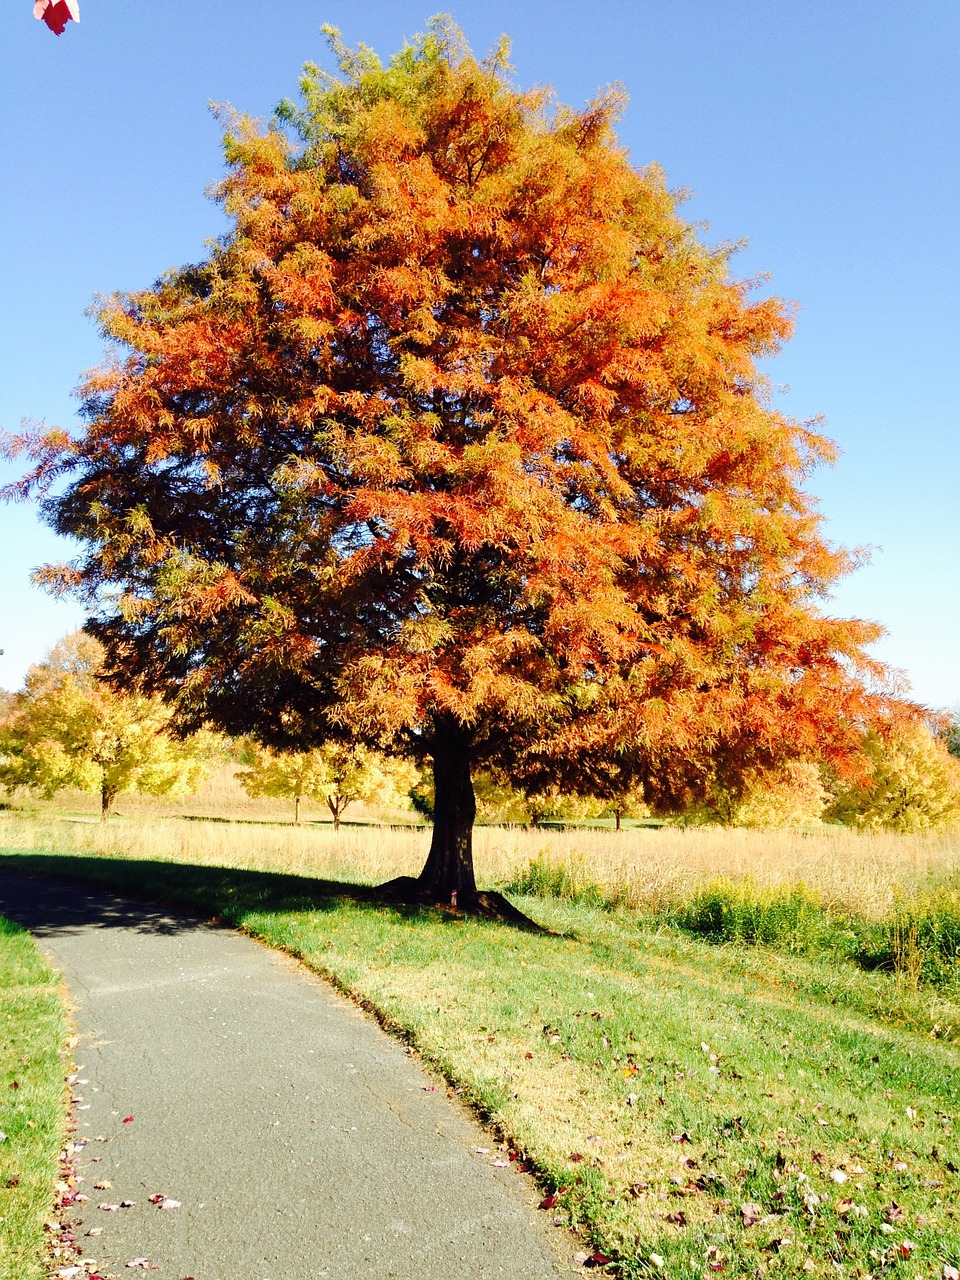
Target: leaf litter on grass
{"x": 778, "y": 1069}
{"x": 675, "y": 1105}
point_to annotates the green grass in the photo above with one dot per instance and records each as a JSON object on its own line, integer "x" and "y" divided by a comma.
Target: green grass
{"x": 656, "y": 1081}
{"x": 32, "y": 1101}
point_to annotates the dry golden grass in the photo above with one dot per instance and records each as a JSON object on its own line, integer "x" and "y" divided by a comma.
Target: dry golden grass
{"x": 653, "y": 868}
{"x": 645, "y": 868}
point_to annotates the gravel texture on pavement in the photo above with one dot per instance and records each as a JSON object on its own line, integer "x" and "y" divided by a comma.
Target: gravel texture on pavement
{"x": 300, "y": 1140}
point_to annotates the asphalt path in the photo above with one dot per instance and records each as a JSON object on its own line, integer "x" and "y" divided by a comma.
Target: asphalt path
{"x": 299, "y": 1139}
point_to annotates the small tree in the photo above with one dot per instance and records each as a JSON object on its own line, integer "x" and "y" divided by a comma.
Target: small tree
{"x": 338, "y": 774}
{"x": 625, "y": 801}
{"x": 912, "y": 784}
{"x": 69, "y": 729}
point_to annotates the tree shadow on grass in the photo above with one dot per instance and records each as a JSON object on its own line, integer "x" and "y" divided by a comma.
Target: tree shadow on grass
{"x": 53, "y": 894}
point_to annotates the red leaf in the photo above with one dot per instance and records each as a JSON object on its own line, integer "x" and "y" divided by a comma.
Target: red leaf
{"x": 548, "y": 1202}
{"x": 128, "y": 1119}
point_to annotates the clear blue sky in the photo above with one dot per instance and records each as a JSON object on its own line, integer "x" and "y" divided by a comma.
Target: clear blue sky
{"x": 825, "y": 133}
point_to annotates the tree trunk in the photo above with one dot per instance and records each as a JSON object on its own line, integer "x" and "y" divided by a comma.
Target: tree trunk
{"x": 107, "y": 796}
{"x": 447, "y": 878}
{"x": 617, "y": 814}
{"x": 448, "y": 870}
{"x": 296, "y": 811}
{"x": 336, "y": 804}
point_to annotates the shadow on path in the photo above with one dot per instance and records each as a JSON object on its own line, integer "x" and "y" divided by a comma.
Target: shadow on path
{"x": 53, "y": 894}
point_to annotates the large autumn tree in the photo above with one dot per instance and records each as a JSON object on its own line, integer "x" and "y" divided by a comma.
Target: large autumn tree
{"x": 456, "y": 443}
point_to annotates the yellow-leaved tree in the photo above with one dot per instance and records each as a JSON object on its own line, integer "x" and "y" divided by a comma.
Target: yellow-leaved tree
{"x": 912, "y": 784}
{"x": 336, "y": 773}
{"x": 66, "y": 728}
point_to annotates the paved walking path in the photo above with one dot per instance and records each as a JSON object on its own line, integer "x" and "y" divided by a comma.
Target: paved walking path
{"x": 301, "y": 1141}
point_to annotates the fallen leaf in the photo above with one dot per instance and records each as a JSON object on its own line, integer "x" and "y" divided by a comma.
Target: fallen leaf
{"x": 837, "y": 1175}
{"x": 95, "y": 1231}
{"x": 139, "y": 1262}
{"x": 127, "y": 1204}
{"x": 549, "y": 1201}
{"x": 751, "y": 1213}
{"x": 949, "y": 1273}
{"x": 657, "y": 1260}
{"x": 906, "y": 1248}
{"x": 170, "y": 1204}
{"x": 894, "y": 1212}
{"x": 103, "y": 1186}
{"x": 128, "y": 1120}
{"x": 108, "y": 1208}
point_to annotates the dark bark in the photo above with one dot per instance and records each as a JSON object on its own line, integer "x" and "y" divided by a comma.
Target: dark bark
{"x": 336, "y": 804}
{"x": 107, "y": 797}
{"x": 296, "y": 811}
{"x": 447, "y": 879}
{"x": 448, "y": 870}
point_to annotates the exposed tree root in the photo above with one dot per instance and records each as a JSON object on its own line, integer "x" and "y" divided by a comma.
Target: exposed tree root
{"x": 488, "y": 905}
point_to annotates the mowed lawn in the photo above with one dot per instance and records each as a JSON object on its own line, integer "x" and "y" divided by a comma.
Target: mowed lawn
{"x": 693, "y": 1109}
{"x": 33, "y": 1100}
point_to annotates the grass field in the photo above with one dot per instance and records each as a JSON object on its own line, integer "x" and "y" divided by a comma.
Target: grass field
{"x": 694, "y": 1108}
{"x": 32, "y": 1101}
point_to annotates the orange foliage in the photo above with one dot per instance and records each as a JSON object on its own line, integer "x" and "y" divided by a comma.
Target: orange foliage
{"x": 458, "y": 440}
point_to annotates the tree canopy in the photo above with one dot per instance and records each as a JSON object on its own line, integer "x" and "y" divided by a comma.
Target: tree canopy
{"x": 456, "y": 442}
{"x": 912, "y": 783}
{"x": 337, "y": 774}
{"x": 67, "y": 728}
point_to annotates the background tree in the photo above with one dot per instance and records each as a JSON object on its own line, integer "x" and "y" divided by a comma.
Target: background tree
{"x": 624, "y": 801}
{"x": 69, "y": 729}
{"x": 950, "y": 733}
{"x": 456, "y": 443}
{"x": 337, "y": 774}
{"x": 792, "y": 795}
{"x": 912, "y": 784}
